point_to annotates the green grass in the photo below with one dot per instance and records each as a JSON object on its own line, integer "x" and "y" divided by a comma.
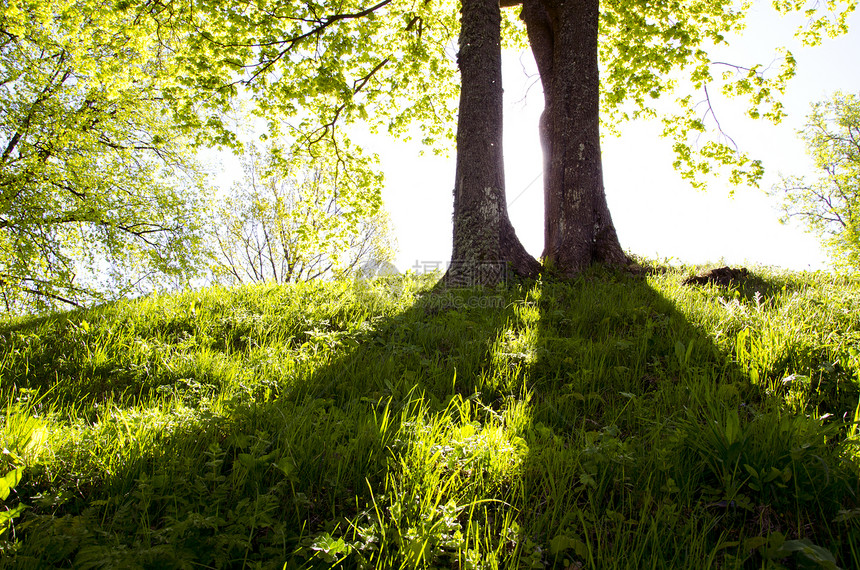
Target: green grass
{"x": 616, "y": 421}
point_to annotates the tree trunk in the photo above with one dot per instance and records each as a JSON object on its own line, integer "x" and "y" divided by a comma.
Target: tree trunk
{"x": 578, "y": 228}
{"x": 486, "y": 248}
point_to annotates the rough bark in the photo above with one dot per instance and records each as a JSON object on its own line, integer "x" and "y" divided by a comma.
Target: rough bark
{"x": 486, "y": 249}
{"x": 578, "y": 228}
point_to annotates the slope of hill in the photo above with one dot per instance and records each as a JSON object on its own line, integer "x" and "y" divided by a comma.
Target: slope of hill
{"x": 617, "y": 421}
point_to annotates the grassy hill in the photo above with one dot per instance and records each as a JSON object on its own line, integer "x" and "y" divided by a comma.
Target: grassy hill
{"x": 617, "y": 421}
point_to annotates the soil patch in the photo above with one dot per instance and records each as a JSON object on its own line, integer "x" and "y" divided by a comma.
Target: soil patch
{"x": 721, "y": 276}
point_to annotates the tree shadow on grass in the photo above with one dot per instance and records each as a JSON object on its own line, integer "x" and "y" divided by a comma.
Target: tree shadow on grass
{"x": 653, "y": 447}
{"x": 288, "y": 427}
{"x": 579, "y": 421}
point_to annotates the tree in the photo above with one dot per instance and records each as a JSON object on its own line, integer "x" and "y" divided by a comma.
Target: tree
{"x": 642, "y": 47}
{"x": 330, "y": 65}
{"x": 296, "y": 219}
{"x": 578, "y": 228}
{"x": 97, "y": 192}
{"x": 830, "y": 204}
{"x": 484, "y": 243}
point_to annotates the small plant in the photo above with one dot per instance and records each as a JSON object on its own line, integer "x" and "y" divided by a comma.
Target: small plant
{"x": 775, "y": 548}
{"x": 771, "y": 459}
{"x": 8, "y": 482}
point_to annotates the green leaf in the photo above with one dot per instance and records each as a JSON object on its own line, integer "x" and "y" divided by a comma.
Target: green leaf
{"x": 563, "y": 542}
{"x": 6, "y": 517}
{"x": 751, "y": 471}
{"x": 9, "y": 481}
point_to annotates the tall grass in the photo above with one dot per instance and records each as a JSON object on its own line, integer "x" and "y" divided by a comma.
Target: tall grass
{"x": 616, "y": 421}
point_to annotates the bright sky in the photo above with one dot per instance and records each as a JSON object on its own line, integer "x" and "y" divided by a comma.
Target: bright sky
{"x": 656, "y": 213}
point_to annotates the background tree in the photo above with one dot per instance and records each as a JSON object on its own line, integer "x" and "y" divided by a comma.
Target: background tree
{"x": 297, "y": 218}
{"x": 829, "y": 205}
{"x": 97, "y": 192}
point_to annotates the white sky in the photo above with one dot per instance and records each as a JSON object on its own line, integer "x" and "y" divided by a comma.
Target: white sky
{"x": 656, "y": 213}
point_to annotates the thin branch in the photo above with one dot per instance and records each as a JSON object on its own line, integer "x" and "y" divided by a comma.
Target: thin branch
{"x": 358, "y": 85}
{"x": 716, "y": 120}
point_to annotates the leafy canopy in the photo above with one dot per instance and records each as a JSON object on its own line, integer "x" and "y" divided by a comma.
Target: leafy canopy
{"x": 312, "y": 66}
{"x": 315, "y": 66}
{"x": 658, "y": 48}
